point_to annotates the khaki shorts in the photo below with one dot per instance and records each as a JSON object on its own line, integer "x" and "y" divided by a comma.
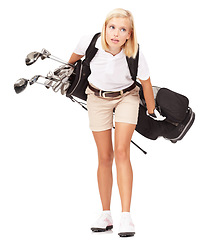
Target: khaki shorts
{"x": 100, "y": 110}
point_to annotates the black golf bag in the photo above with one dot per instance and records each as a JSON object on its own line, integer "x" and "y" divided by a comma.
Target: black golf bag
{"x": 174, "y": 106}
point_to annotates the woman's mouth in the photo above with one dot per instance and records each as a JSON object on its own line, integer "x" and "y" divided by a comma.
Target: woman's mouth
{"x": 114, "y": 40}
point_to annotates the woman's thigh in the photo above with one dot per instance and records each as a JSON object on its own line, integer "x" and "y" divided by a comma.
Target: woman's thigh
{"x": 103, "y": 140}
{"x": 123, "y": 135}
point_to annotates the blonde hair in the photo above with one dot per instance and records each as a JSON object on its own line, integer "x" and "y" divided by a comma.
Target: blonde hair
{"x": 131, "y": 45}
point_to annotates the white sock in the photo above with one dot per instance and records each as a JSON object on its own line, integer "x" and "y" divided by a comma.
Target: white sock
{"x": 126, "y": 214}
{"x": 107, "y": 212}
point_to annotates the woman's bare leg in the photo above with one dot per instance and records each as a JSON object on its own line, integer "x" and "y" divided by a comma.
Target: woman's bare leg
{"x": 103, "y": 141}
{"x": 123, "y": 135}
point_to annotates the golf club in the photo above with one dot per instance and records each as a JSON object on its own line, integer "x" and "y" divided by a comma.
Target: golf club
{"x": 22, "y": 83}
{"x": 33, "y": 57}
{"x": 57, "y": 80}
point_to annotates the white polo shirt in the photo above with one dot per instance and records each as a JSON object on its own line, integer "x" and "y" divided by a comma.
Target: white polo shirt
{"x": 108, "y": 72}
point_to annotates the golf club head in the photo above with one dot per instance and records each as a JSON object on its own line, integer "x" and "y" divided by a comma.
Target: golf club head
{"x": 32, "y": 57}
{"x": 64, "y": 88}
{"x": 48, "y": 83}
{"x": 56, "y": 87}
{"x": 20, "y": 85}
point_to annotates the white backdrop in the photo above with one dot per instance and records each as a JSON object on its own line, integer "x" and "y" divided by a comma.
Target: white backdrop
{"x": 48, "y": 158}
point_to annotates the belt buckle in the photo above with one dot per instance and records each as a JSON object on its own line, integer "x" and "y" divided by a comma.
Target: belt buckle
{"x": 104, "y": 94}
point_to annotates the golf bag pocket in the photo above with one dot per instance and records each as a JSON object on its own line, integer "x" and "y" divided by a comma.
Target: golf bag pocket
{"x": 172, "y": 105}
{"x": 78, "y": 81}
{"x": 150, "y": 128}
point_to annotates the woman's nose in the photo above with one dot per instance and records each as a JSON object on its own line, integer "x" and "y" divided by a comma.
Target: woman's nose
{"x": 116, "y": 33}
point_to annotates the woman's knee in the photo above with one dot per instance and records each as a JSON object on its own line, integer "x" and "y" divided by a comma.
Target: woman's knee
{"x": 106, "y": 158}
{"x": 121, "y": 154}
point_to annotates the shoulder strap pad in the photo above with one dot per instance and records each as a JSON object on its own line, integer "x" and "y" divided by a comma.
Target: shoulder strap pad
{"x": 91, "y": 50}
{"x": 133, "y": 66}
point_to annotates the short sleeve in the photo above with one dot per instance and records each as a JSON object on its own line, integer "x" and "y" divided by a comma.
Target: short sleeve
{"x": 143, "y": 69}
{"x": 83, "y": 45}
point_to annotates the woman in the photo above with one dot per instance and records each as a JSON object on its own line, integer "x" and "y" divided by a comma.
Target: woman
{"x": 110, "y": 72}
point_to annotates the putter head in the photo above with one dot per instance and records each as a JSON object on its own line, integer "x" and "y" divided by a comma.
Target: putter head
{"x": 20, "y": 85}
{"x": 32, "y": 57}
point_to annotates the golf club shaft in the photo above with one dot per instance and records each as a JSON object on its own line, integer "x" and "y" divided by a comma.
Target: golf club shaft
{"x": 59, "y": 60}
{"x": 57, "y": 84}
{"x": 39, "y": 82}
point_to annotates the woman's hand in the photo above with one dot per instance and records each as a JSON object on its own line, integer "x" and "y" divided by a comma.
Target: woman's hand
{"x": 150, "y": 102}
{"x": 156, "y": 115}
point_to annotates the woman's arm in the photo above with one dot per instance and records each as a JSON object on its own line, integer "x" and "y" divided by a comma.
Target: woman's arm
{"x": 148, "y": 95}
{"x": 74, "y": 58}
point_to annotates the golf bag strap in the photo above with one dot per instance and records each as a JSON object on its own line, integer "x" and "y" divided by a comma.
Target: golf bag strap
{"x": 133, "y": 67}
{"x": 91, "y": 50}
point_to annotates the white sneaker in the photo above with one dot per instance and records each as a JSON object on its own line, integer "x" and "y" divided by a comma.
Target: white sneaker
{"x": 103, "y": 223}
{"x": 127, "y": 228}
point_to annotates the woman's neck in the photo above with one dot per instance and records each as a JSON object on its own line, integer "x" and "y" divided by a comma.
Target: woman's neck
{"x": 114, "y": 51}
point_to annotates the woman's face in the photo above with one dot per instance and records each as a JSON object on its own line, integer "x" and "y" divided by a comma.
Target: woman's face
{"x": 118, "y": 30}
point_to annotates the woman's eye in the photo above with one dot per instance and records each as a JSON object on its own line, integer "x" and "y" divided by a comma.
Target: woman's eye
{"x": 123, "y": 30}
{"x": 112, "y": 27}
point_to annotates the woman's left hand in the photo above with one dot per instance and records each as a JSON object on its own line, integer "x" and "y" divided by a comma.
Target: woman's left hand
{"x": 156, "y": 115}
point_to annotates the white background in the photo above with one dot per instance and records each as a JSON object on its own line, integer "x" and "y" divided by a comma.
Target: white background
{"x": 48, "y": 165}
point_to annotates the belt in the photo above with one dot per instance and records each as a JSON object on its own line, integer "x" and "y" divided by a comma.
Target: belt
{"x": 109, "y": 94}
